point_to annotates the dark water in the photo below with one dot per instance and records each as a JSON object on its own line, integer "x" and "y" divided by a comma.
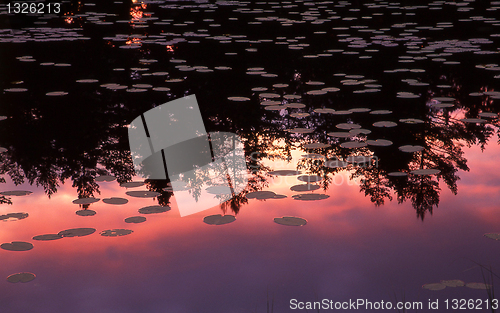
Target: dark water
{"x": 390, "y": 108}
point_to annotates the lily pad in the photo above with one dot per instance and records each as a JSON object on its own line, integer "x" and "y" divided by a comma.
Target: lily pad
{"x": 21, "y": 277}
{"x": 238, "y": 99}
{"x": 115, "y": 200}
{"x": 353, "y": 144}
{"x": 384, "y": 124}
{"x": 17, "y": 246}
{"x": 219, "y": 190}
{"x": 132, "y": 184}
{"x": 16, "y": 193}
{"x": 135, "y": 219}
{"x": 47, "y": 237}
{"x": 397, "y": 174}
{"x": 434, "y": 286}
{"x": 218, "y": 219}
{"x": 116, "y": 232}
{"x": 77, "y": 232}
{"x": 261, "y": 195}
{"x": 304, "y": 187}
{"x": 473, "y": 120}
{"x": 347, "y": 126}
{"x": 86, "y": 212}
{"x": 453, "y": 283}
{"x": 153, "y": 209}
{"x": 143, "y": 194}
{"x": 411, "y": 148}
{"x": 105, "y": 178}
{"x": 379, "y": 142}
{"x": 310, "y": 196}
{"x": 494, "y": 236}
{"x": 478, "y": 286}
{"x": 85, "y": 200}
{"x": 285, "y": 173}
{"x": 13, "y": 216}
{"x": 290, "y": 221}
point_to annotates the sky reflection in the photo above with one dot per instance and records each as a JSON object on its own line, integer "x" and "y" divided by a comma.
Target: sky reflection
{"x": 349, "y": 248}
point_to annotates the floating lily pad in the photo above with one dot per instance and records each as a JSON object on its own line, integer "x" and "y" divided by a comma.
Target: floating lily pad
{"x": 300, "y": 115}
{"x": 324, "y": 110}
{"x": 219, "y": 190}
{"x": 17, "y": 246}
{"x": 304, "y": 187}
{"x": 279, "y": 197}
{"x": 397, "y": 174}
{"x": 379, "y": 142}
{"x": 380, "y": 112}
{"x": 488, "y": 115}
{"x": 16, "y": 193}
{"x": 238, "y": 99}
{"x": 85, "y": 200}
{"x": 478, "y": 286}
{"x": 261, "y": 195}
{"x": 105, "y": 178}
{"x": 153, "y": 209}
{"x": 21, "y": 277}
{"x": 86, "y": 212}
{"x": 275, "y": 107}
{"x": 411, "y": 121}
{"x": 310, "y": 178}
{"x": 434, "y": 286}
{"x": 300, "y": 130}
{"x": 453, "y": 283}
{"x": 384, "y": 124}
{"x": 218, "y": 219}
{"x": 310, "y": 196}
{"x": 295, "y": 105}
{"x": 143, "y": 194}
{"x": 56, "y": 93}
{"x": 347, "y": 126}
{"x": 494, "y": 236}
{"x": 426, "y": 171}
{"x": 473, "y": 120}
{"x": 135, "y": 219}
{"x": 115, "y": 200}
{"x": 285, "y": 173}
{"x": 359, "y": 110}
{"x": 116, "y": 232}
{"x": 290, "y": 221}
{"x": 47, "y": 237}
{"x": 87, "y": 81}
{"x": 13, "y": 216}
{"x": 353, "y": 144}
{"x": 411, "y": 148}
{"x": 77, "y": 232}
{"x": 316, "y": 92}
{"x": 132, "y": 184}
